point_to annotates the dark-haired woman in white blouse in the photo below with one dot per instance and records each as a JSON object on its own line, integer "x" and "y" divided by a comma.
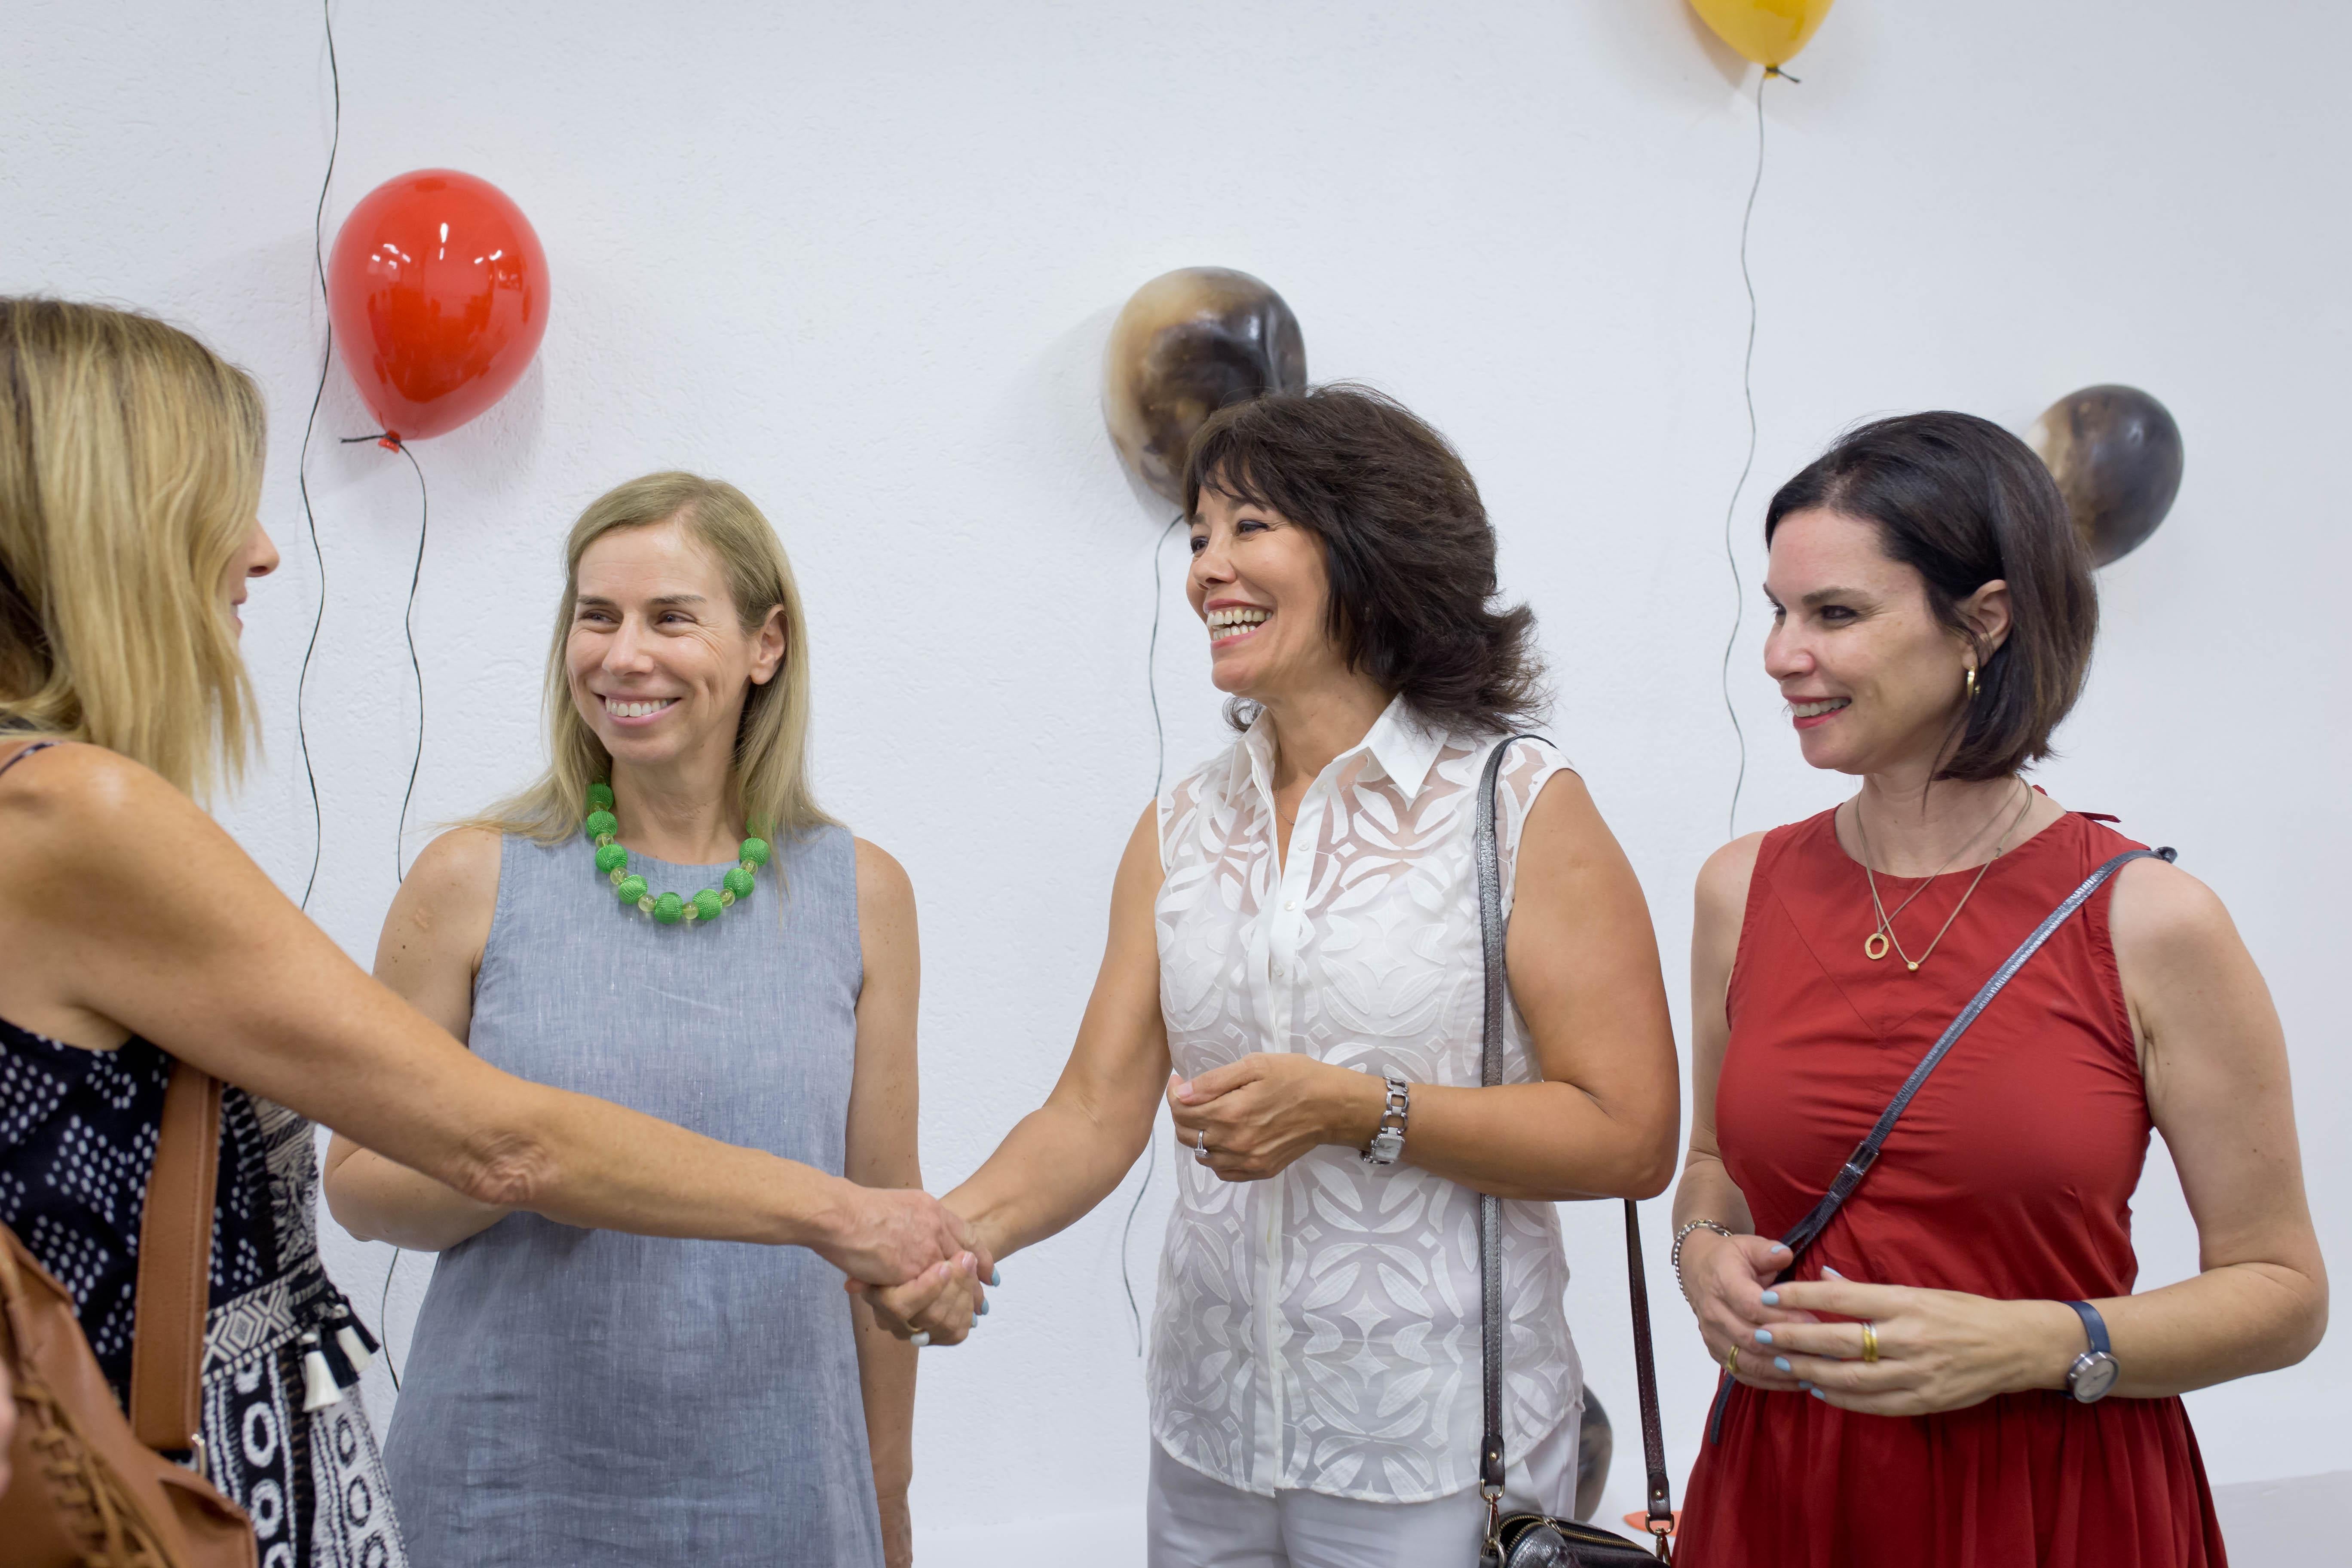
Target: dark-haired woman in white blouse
{"x": 1294, "y": 961}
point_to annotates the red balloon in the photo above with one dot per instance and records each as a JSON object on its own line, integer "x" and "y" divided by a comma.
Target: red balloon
{"x": 437, "y": 289}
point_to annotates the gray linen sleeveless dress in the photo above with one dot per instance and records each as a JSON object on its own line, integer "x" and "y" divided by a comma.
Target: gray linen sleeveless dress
{"x": 581, "y": 1397}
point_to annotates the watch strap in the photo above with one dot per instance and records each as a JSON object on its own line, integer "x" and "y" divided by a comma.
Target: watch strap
{"x": 2094, "y": 1325}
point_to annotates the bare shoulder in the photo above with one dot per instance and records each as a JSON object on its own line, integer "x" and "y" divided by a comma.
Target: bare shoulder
{"x": 1722, "y": 891}
{"x": 883, "y": 885}
{"x": 1563, "y": 800}
{"x": 95, "y": 793}
{"x": 457, "y": 872}
{"x": 1142, "y": 864}
{"x": 2161, "y": 914}
{"x": 446, "y": 903}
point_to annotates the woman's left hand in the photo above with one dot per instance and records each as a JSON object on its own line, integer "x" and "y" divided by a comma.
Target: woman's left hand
{"x": 1263, "y": 1112}
{"x": 943, "y": 1302}
{"x": 1937, "y": 1350}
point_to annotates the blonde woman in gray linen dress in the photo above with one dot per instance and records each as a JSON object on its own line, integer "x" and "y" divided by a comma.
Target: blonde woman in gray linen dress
{"x": 585, "y": 1397}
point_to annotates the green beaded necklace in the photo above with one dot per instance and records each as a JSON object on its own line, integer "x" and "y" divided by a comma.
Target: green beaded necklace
{"x": 669, "y": 908}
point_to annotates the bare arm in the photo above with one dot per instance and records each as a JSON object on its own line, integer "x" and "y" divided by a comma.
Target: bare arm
{"x": 429, "y": 954}
{"x": 1584, "y": 966}
{"x": 2213, "y": 1058}
{"x": 1725, "y": 1277}
{"x": 882, "y": 1152}
{"x": 1065, "y": 1156}
{"x": 127, "y": 910}
{"x": 1707, "y": 1191}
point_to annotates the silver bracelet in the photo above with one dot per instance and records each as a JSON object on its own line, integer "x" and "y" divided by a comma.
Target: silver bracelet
{"x": 1675, "y": 1258}
{"x": 1388, "y": 1139}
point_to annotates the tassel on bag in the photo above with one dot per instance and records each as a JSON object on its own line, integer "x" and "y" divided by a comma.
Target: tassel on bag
{"x": 357, "y": 1348}
{"x": 350, "y": 1349}
{"x": 338, "y": 1365}
{"x": 319, "y": 1389}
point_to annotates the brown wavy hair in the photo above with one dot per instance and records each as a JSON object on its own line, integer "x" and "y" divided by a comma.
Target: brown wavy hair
{"x": 1407, "y": 546}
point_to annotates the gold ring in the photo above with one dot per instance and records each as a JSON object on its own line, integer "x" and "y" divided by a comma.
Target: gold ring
{"x": 1869, "y": 1341}
{"x": 1731, "y": 1362}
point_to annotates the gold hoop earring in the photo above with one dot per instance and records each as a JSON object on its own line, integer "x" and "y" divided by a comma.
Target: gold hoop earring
{"x": 1972, "y": 683}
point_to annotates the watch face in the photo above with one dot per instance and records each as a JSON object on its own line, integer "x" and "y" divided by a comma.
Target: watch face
{"x": 2093, "y": 1375}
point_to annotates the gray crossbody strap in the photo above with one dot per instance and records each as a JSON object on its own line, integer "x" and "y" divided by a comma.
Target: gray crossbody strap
{"x": 1490, "y": 1208}
{"x": 1865, "y": 1153}
{"x": 1807, "y": 1230}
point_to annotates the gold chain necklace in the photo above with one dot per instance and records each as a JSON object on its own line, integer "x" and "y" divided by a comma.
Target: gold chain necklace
{"x": 1875, "y": 945}
{"x": 1885, "y": 921}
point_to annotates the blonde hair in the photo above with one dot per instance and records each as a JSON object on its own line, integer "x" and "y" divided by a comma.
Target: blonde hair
{"x": 770, "y": 773}
{"x": 129, "y": 478}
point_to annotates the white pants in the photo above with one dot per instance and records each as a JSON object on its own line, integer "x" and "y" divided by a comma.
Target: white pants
{"x": 1197, "y": 1522}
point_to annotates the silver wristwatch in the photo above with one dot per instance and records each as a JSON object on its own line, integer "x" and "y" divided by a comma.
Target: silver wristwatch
{"x": 1387, "y": 1143}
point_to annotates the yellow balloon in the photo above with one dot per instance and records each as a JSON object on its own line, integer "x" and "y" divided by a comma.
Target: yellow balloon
{"x": 1768, "y": 31}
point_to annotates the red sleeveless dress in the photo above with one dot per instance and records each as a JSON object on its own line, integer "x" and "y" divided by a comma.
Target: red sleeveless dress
{"x": 2010, "y": 1176}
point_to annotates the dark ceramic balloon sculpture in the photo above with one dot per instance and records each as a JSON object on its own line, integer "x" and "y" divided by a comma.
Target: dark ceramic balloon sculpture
{"x": 2116, "y": 453}
{"x": 1189, "y": 342}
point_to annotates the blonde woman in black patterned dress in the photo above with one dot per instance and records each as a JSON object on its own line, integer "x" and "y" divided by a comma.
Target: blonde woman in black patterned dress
{"x": 132, "y": 933}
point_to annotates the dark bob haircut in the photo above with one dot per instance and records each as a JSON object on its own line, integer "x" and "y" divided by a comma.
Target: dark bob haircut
{"x": 1406, "y": 544}
{"x": 1963, "y": 502}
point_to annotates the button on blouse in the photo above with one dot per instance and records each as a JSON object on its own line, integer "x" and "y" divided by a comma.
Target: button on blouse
{"x": 1319, "y": 1331}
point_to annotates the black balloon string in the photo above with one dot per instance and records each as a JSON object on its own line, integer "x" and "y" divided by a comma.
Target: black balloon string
{"x": 302, "y": 468}
{"x": 1158, "y": 775}
{"x": 391, "y": 442}
{"x": 1151, "y": 660}
{"x": 1748, "y": 466}
{"x": 319, "y": 559}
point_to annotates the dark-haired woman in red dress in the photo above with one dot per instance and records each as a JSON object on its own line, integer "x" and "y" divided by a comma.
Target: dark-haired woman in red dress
{"x": 1959, "y": 1375}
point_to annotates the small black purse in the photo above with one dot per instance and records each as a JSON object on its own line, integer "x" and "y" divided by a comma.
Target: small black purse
{"x": 1537, "y": 1539}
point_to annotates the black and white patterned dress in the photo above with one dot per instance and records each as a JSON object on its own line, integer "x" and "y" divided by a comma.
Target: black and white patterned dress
{"x": 78, "y": 1131}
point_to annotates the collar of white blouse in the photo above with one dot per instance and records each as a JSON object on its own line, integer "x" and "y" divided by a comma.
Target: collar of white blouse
{"x": 1401, "y": 745}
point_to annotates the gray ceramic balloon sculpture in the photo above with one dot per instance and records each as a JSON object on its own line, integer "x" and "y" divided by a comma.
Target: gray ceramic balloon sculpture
{"x": 2116, "y": 453}
{"x": 1189, "y": 342}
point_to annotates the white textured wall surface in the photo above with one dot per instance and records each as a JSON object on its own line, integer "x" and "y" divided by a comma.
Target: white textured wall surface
{"x": 861, "y": 260}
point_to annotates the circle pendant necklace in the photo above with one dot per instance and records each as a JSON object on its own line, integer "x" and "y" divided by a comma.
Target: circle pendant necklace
{"x": 666, "y": 908}
{"x": 1875, "y": 945}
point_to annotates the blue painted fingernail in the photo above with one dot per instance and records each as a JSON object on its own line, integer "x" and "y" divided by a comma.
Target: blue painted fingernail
{"x": 1779, "y": 1361}
{"x": 1771, "y": 1297}
{"x": 983, "y": 1313}
{"x": 1819, "y": 1395}
{"x": 996, "y": 1276}
{"x": 1802, "y": 1383}
{"x": 1763, "y": 1336}
{"x": 1777, "y": 1249}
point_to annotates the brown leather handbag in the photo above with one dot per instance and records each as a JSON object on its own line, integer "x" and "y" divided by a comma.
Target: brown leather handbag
{"x": 90, "y": 1487}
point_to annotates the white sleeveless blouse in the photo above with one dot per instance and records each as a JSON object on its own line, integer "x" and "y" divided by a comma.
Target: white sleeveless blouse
{"x": 1319, "y": 1331}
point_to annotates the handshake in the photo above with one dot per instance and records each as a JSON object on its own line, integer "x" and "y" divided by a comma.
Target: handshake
{"x": 914, "y": 1261}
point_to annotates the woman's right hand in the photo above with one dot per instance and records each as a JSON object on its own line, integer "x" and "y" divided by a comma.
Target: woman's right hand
{"x": 891, "y": 1236}
{"x": 1727, "y": 1277}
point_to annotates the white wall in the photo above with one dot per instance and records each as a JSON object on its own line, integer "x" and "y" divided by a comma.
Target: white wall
{"x": 861, "y": 260}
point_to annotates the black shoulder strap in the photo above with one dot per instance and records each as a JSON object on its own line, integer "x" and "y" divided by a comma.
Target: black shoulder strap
{"x": 1659, "y": 1493}
{"x": 1865, "y": 1153}
{"x": 28, "y": 751}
